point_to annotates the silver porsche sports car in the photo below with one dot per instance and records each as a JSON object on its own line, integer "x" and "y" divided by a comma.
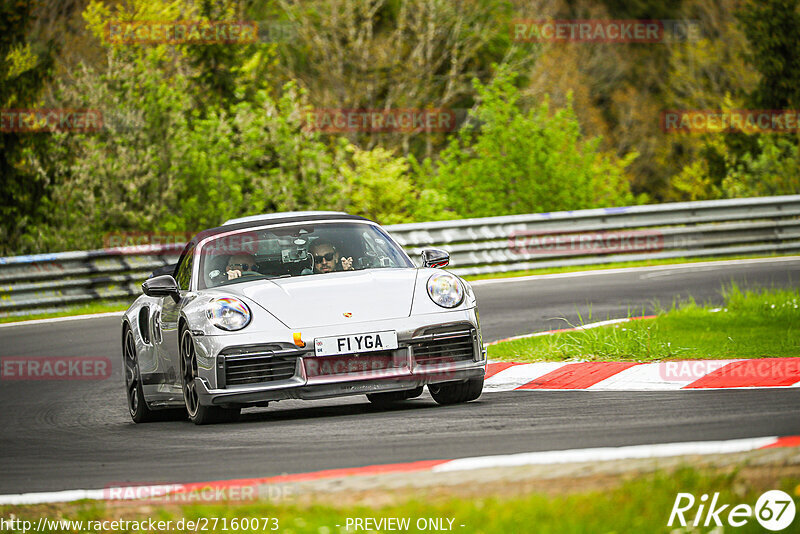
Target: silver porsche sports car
{"x": 301, "y": 305}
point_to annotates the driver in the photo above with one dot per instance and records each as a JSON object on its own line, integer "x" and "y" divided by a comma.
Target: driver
{"x": 240, "y": 263}
{"x": 236, "y": 265}
{"x": 327, "y": 258}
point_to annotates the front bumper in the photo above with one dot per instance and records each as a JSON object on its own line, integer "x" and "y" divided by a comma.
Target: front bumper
{"x": 429, "y": 352}
{"x": 338, "y": 387}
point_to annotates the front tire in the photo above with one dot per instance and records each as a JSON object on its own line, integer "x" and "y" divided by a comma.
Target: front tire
{"x": 457, "y": 392}
{"x": 198, "y": 414}
{"x": 137, "y": 405}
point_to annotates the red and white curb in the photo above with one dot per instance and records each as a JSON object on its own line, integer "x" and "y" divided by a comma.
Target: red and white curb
{"x": 632, "y": 376}
{"x": 601, "y": 454}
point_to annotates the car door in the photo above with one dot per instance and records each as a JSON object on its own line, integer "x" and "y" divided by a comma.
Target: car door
{"x": 169, "y": 351}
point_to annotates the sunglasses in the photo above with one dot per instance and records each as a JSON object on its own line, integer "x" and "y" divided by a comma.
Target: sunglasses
{"x": 326, "y": 257}
{"x": 243, "y": 267}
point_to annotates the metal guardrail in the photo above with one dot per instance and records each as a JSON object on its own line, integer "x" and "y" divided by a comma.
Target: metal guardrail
{"x": 762, "y": 225}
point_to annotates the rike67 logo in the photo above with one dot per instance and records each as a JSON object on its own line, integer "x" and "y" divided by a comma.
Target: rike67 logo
{"x": 774, "y": 510}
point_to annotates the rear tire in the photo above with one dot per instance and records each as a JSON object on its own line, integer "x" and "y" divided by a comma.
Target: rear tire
{"x": 457, "y": 392}
{"x": 199, "y": 414}
{"x": 394, "y": 396}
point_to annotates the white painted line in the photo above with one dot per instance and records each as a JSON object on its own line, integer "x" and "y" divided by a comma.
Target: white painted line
{"x": 621, "y": 270}
{"x": 52, "y": 496}
{"x": 60, "y": 319}
{"x": 605, "y": 454}
{"x": 569, "y": 329}
{"x": 117, "y": 493}
{"x": 518, "y": 375}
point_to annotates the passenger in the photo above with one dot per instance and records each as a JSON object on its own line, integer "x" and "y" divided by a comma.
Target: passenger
{"x": 327, "y": 258}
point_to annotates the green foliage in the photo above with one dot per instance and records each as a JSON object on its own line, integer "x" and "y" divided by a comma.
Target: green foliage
{"x": 771, "y": 29}
{"x": 772, "y": 169}
{"x": 24, "y": 71}
{"x": 509, "y": 161}
{"x": 374, "y": 54}
{"x": 775, "y": 170}
{"x": 380, "y": 188}
{"x": 195, "y": 134}
{"x": 736, "y": 164}
{"x": 163, "y": 165}
{"x": 700, "y": 179}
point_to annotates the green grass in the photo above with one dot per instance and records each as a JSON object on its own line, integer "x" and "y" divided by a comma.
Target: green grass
{"x": 640, "y": 504}
{"x": 618, "y": 265}
{"x": 750, "y": 325}
{"x": 69, "y": 312}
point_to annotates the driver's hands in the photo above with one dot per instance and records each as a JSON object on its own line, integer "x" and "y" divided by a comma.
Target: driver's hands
{"x": 347, "y": 264}
{"x": 234, "y": 273}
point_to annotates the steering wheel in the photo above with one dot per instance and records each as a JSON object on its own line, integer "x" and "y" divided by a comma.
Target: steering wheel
{"x": 227, "y": 280}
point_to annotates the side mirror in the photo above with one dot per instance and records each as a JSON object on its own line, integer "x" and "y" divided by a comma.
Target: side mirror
{"x": 161, "y": 286}
{"x": 434, "y": 257}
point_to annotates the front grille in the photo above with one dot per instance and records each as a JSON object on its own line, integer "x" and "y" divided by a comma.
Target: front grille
{"x": 256, "y": 365}
{"x": 441, "y": 348}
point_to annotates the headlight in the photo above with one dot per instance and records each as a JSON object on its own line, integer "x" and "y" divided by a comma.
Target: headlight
{"x": 228, "y": 313}
{"x": 445, "y": 290}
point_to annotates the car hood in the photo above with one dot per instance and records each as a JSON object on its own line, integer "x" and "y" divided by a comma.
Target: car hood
{"x": 326, "y": 299}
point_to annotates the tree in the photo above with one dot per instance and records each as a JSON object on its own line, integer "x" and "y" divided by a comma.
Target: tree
{"x": 774, "y": 171}
{"x": 508, "y": 161}
{"x": 385, "y": 54}
{"x": 25, "y": 68}
{"x": 771, "y": 29}
{"x": 161, "y": 163}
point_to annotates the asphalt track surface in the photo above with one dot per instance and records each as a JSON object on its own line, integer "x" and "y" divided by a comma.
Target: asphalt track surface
{"x": 77, "y": 434}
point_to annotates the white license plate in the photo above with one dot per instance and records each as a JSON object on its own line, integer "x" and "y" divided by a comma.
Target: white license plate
{"x": 369, "y": 342}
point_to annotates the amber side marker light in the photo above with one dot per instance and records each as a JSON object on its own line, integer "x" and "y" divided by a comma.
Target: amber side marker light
{"x": 297, "y": 341}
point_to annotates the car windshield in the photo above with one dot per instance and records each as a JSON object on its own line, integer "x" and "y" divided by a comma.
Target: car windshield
{"x": 296, "y": 250}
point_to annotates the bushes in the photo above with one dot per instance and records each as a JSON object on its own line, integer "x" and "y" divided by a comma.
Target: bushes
{"x": 179, "y": 153}
{"x": 508, "y": 161}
